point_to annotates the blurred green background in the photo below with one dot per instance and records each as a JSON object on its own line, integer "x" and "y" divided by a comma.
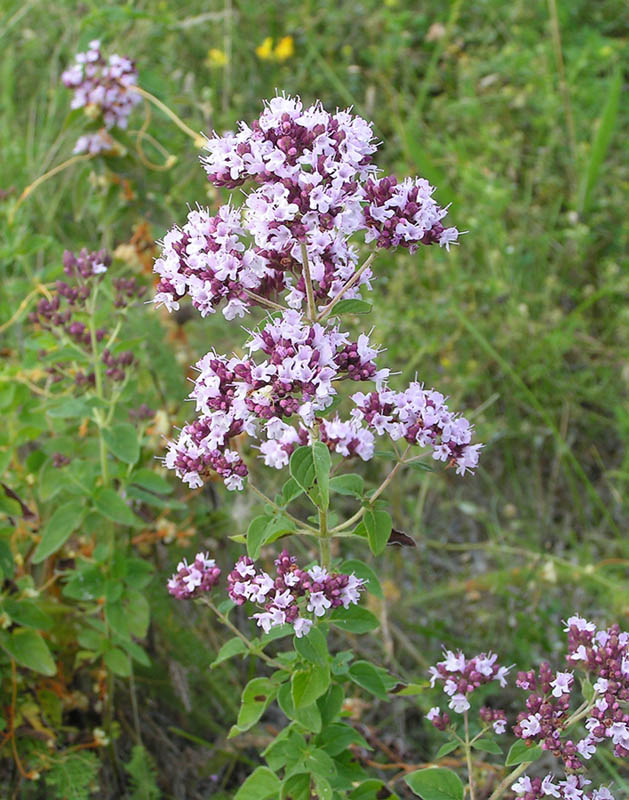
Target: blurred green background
{"x": 513, "y": 110}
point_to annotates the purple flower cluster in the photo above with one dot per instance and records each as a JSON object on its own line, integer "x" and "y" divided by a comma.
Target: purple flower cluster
{"x": 604, "y": 655}
{"x": 191, "y": 580}
{"x": 405, "y": 214}
{"x": 572, "y": 788}
{"x": 104, "y": 87}
{"x": 547, "y": 710}
{"x": 461, "y": 676}
{"x": 315, "y": 187}
{"x": 295, "y": 379}
{"x": 420, "y": 417}
{"x": 293, "y": 594}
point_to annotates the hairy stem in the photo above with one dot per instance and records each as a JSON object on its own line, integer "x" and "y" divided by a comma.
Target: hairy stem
{"x": 324, "y": 539}
{"x": 325, "y": 312}
{"x": 312, "y": 310}
{"x": 348, "y": 523}
{"x": 468, "y": 755}
{"x": 196, "y": 137}
{"x": 506, "y": 782}
{"x": 248, "y": 644}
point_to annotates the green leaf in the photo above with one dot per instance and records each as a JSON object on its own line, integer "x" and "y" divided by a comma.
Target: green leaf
{"x": 322, "y": 465}
{"x": 302, "y": 467}
{"x": 436, "y": 783}
{"x": 338, "y": 737}
{"x": 370, "y": 789}
{"x": 118, "y": 662}
{"x": 309, "y": 716}
{"x": 379, "y": 525}
{"x": 366, "y": 675}
{"x": 122, "y": 440}
{"x": 354, "y": 619}
{"x": 322, "y": 787}
{"x": 601, "y": 141}
{"x": 7, "y": 565}
{"x": 291, "y": 491}
{"x": 256, "y": 696}
{"x": 309, "y": 684}
{"x": 260, "y": 785}
{"x": 312, "y": 647}
{"x": 352, "y": 307}
{"x": 59, "y": 528}
{"x": 232, "y": 647}
{"x": 265, "y": 529}
{"x": 112, "y": 506}
{"x": 150, "y": 480}
{"x": 348, "y": 484}
{"x": 446, "y": 748}
{"x": 27, "y": 613}
{"x": 116, "y": 616}
{"x": 487, "y": 746}
{"x": 310, "y": 465}
{"x": 30, "y": 650}
{"x": 138, "y": 613}
{"x": 365, "y": 572}
{"x": 330, "y": 704}
{"x": 520, "y": 752}
{"x": 297, "y": 787}
{"x": 69, "y": 408}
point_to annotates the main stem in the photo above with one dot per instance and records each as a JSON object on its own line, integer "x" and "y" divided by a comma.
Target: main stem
{"x": 99, "y": 387}
{"x": 324, "y": 539}
{"x": 312, "y": 310}
{"x": 468, "y": 755}
{"x": 251, "y": 647}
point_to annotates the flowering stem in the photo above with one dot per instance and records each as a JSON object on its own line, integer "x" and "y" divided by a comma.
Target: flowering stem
{"x": 32, "y": 186}
{"x": 312, "y": 311}
{"x": 468, "y": 755}
{"x": 374, "y": 496}
{"x": 99, "y": 387}
{"x": 264, "y": 302}
{"x": 249, "y": 645}
{"x": 325, "y": 312}
{"x": 275, "y": 506}
{"x": 196, "y": 137}
{"x": 506, "y": 782}
{"x": 324, "y": 539}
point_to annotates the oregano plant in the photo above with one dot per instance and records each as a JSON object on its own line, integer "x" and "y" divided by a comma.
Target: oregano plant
{"x": 306, "y": 397}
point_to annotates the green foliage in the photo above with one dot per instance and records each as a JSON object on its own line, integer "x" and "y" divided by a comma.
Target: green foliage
{"x": 142, "y": 775}
{"x": 436, "y": 783}
{"x": 72, "y": 776}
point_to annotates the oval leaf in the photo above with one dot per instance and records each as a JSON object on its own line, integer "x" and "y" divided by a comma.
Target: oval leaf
{"x": 436, "y": 783}
{"x": 60, "y": 526}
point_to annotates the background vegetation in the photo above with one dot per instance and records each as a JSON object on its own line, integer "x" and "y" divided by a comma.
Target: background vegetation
{"x": 513, "y": 110}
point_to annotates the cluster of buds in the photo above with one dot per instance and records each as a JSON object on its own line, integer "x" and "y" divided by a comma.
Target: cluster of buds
{"x": 495, "y": 717}
{"x": 295, "y": 596}
{"x": 65, "y": 313}
{"x": 315, "y": 187}
{"x": 462, "y": 676}
{"x": 104, "y": 87}
{"x": 421, "y": 417}
{"x": 192, "y": 580}
{"x": 127, "y": 290}
{"x": 117, "y": 365}
{"x": 142, "y": 413}
{"x": 547, "y": 711}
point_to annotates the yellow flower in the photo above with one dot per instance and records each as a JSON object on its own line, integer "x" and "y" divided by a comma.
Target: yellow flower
{"x": 285, "y": 48}
{"x": 265, "y": 50}
{"x": 216, "y": 57}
